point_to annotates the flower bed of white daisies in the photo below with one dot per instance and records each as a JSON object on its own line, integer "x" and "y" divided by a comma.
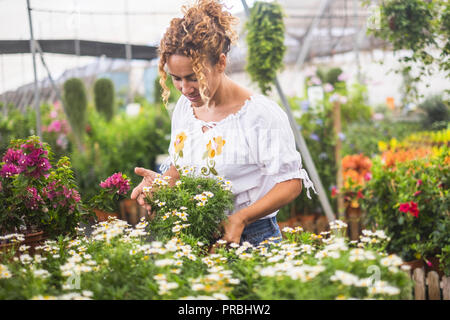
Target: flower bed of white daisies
{"x": 120, "y": 262}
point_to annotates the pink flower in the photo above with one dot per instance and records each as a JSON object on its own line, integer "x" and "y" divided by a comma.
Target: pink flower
{"x": 368, "y": 176}
{"x": 417, "y": 193}
{"x": 116, "y": 181}
{"x": 328, "y": 87}
{"x": 419, "y": 182}
{"x": 55, "y": 126}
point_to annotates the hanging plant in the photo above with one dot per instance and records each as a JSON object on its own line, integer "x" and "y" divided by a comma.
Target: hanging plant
{"x": 420, "y": 26}
{"x": 265, "y": 41}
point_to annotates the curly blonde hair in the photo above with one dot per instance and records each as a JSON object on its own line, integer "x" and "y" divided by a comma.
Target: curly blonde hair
{"x": 203, "y": 33}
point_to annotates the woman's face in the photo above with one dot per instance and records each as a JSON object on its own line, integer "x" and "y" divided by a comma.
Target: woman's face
{"x": 184, "y": 79}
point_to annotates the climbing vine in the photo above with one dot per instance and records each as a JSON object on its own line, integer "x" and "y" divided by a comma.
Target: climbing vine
{"x": 265, "y": 41}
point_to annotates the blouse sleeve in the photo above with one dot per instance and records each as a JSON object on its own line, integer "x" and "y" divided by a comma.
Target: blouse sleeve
{"x": 273, "y": 146}
{"x": 176, "y": 123}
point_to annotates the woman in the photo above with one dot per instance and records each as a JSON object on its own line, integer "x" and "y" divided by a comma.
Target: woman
{"x": 223, "y": 129}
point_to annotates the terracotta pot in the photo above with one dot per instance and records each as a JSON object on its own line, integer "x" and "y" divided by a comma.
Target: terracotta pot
{"x": 308, "y": 222}
{"x": 103, "y": 216}
{"x": 131, "y": 211}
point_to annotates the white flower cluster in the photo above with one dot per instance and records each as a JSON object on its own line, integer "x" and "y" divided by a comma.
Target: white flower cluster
{"x": 361, "y": 255}
{"x": 13, "y": 237}
{"x": 293, "y": 270}
{"x": 374, "y": 287}
{"x": 177, "y": 213}
{"x": 78, "y": 263}
{"x": 4, "y": 272}
{"x": 84, "y": 295}
{"x": 337, "y": 225}
{"x": 107, "y": 230}
{"x": 203, "y": 198}
{"x": 292, "y": 230}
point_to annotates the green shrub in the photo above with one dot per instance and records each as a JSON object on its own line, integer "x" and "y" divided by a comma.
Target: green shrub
{"x": 411, "y": 204}
{"x": 436, "y": 113}
{"x": 104, "y": 97}
{"x": 75, "y": 104}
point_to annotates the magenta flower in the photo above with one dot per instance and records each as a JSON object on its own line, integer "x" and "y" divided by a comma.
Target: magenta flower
{"x": 12, "y": 156}
{"x": 8, "y": 170}
{"x": 34, "y": 158}
{"x": 55, "y": 126}
{"x": 117, "y": 181}
{"x": 33, "y": 199}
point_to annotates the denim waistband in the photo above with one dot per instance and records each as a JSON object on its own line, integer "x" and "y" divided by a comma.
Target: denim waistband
{"x": 261, "y": 230}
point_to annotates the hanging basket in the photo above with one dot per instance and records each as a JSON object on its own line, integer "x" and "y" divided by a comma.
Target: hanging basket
{"x": 32, "y": 240}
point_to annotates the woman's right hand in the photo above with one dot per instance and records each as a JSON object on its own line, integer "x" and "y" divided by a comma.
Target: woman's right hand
{"x": 147, "y": 181}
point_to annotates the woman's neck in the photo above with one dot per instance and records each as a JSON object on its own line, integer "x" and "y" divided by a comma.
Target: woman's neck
{"x": 221, "y": 98}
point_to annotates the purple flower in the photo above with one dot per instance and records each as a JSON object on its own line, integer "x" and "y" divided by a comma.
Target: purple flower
{"x": 33, "y": 199}
{"x": 12, "y": 156}
{"x": 117, "y": 181}
{"x": 305, "y": 105}
{"x": 341, "y": 136}
{"x": 8, "y": 170}
{"x": 34, "y": 158}
{"x": 314, "y": 137}
{"x": 328, "y": 87}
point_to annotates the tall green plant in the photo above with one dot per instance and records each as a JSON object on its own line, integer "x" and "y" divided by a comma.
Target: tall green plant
{"x": 265, "y": 40}
{"x": 104, "y": 97}
{"x": 75, "y": 105}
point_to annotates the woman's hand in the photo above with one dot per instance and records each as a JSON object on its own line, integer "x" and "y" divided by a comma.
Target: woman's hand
{"x": 147, "y": 181}
{"x": 233, "y": 227}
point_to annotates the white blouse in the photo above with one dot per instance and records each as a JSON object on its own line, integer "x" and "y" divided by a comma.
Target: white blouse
{"x": 254, "y": 148}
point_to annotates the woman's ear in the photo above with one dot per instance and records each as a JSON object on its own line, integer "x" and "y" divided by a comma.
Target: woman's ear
{"x": 222, "y": 63}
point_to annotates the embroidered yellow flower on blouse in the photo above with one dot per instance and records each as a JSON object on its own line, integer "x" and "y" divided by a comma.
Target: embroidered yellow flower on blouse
{"x": 214, "y": 146}
{"x": 179, "y": 143}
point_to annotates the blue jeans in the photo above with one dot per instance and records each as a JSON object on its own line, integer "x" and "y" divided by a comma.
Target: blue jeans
{"x": 261, "y": 230}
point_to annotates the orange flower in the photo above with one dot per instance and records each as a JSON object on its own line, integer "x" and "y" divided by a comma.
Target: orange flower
{"x": 179, "y": 142}
{"x": 214, "y": 146}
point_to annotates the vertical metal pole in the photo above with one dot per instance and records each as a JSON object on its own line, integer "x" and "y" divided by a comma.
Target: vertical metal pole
{"x": 36, "y": 89}
{"x": 128, "y": 53}
{"x": 337, "y": 154}
{"x": 4, "y": 102}
{"x": 301, "y": 145}
{"x": 356, "y": 42}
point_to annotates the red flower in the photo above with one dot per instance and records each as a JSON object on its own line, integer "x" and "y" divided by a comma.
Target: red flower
{"x": 413, "y": 210}
{"x": 409, "y": 207}
{"x": 417, "y": 193}
{"x": 360, "y": 195}
{"x": 334, "y": 191}
{"x": 419, "y": 182}
{"x": 404, "y": 207}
